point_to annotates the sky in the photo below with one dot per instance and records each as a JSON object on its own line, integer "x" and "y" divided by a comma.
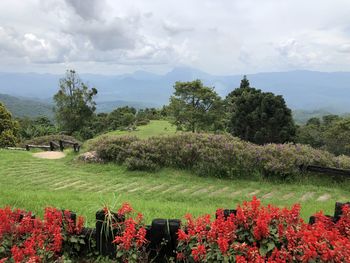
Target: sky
{"x": 220, "y": 37}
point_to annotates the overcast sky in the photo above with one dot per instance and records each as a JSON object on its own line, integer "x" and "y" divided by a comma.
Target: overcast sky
{"x": 217, "y": 36}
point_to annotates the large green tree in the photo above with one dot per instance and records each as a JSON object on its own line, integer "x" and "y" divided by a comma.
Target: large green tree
{"x": 121, "y": 117}
{"x": 75, "y": 106}
{"x": 337, "y": 137}
{"x": 195, "y": 107}
{"x": 259, "y": 117}
{"x": 8, "y": 128}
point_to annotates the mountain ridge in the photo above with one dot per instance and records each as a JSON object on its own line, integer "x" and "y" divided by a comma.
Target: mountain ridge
{"x": 302, "y": 89}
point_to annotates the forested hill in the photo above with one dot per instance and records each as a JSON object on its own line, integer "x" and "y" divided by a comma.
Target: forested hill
{"x": 25, "y": 107}
{"x": 307, "y": 90}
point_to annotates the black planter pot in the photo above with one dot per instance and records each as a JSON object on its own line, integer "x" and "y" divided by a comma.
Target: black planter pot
{"x": 105, "y": 235}
{"x": 338, "y": 210}
{"x": 162, "y": 235}
{"x": 227, "y": 213}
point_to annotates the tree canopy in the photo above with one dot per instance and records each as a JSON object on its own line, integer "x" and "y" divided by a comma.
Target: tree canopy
{"x": 74, "y": 103}
{"x": 195, "y": 107}
{"x": 259, "y": 117}
{"x": 332, "y": 133}
{"x": 8, "y": 128}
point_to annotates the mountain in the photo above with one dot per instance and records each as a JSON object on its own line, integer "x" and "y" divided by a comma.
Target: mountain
{"x": 31, "y": 107}
{"x": 302, "y": 116}
{"x": 307, "y": 90}
{"x": 24, "y": 107}
{"x": 108, "y": 106}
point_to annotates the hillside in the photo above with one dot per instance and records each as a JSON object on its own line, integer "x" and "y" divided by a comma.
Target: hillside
{"x": 307, "y": 90}
{"x": 167, "y": 193}
{"x": 25, "y": 107}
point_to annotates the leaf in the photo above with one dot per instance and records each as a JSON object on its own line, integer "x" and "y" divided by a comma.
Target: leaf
{"x": 73, "y": 239}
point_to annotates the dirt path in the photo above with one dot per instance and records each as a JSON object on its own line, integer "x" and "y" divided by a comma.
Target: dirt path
{"x": 49, "y": 155}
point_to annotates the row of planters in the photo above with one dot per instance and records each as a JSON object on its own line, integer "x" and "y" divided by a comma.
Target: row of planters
{"x": 249, "y": 233}
{"x": 215, "y": 155}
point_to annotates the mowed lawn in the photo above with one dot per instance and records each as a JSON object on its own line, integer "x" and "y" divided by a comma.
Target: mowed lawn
{"x": 154, "y": 128}
{"x": 31, "y": 183}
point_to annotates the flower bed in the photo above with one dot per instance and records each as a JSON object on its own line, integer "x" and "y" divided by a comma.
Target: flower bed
{"x": 24, "y": 238}
{"x": 250, "y": 233}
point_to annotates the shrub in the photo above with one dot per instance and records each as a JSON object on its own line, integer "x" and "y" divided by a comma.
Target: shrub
{"x": 216, "y": 155}
{"x": 7, "y": 138}
{"x": 287, "y": 159}
{"x": 142, "y": 122}
{"x": 131, "y": 237}
{"x": 8, "y": 128}
{"x": 264, "y": 234}
{"x": 113, "y": 148}
{"x": 254, "y": 233}
{"x": 24, "y": 238}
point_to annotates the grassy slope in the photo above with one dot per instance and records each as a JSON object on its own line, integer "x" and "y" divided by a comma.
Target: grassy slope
{"x": 32, "y": 183}
{"x": 154, "y": 128}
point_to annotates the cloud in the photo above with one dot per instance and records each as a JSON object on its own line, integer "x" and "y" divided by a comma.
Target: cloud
{"x": 174, "y": 28}
{"x": 344, "y": 48}
{"x": 101, "y": 35}
{"x": 88, "y": 9}
{"x": 221, "y": 37}
{"x": 31, "y": 47}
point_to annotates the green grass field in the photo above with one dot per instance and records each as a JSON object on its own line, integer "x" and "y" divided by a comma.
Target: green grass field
{"x": 154, "y": 128}
{"x": 32, "y": 183}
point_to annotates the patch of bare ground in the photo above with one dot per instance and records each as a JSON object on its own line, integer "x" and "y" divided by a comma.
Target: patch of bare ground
{"x": 307, "y": 196}
{"x": 324, "y": 197}
{"x": 49, "y": 155}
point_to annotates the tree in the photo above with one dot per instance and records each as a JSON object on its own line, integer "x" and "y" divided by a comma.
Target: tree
{"x": 259, "y": 117}
{"x": 337, "y": 136}
{"x": 74, "y": 103}
{"x": 40, "y": 126}
{"x": 195, "y": 107}
{"x": 121, "y": 117}
{"x": 8, "y": 128}
{"x": 244, "y": 83}
{"x": 311, "y": 133}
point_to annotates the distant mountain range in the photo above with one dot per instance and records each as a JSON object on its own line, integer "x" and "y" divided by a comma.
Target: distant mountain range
{"x": 307, "y": 90}
{"x": 31, "y": 107}
{"x": 23, "y": 107}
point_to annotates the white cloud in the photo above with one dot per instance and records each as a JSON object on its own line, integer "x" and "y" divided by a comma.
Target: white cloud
{"x": 221, "y": 37}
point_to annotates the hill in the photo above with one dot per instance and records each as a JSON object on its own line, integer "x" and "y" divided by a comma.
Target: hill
{"x": 29, "y": 107}
{"x": 25, "y": 107}
{"x": 307, "y": 90}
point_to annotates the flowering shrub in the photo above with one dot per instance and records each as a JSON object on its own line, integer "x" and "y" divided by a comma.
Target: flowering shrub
{"x": 24, "y": 238}
{"x": 264, "y": 234}
{"x": 217, "y": 155}
{"x": 131, "y": 236}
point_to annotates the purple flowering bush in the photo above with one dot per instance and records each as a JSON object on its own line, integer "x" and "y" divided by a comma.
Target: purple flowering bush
{"x": 215, "y": 155}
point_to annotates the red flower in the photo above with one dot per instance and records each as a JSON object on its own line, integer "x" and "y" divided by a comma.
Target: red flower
{"x": 223, "y": 244}
{"x": 198, "y": 253}
{"x": 125, "y": 209}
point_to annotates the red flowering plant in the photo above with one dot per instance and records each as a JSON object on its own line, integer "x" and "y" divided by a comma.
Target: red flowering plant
{"x": 131, "y": 236}
{"x": 24, "y": 238}
{"x": 264, "y": 234}
{"x": 71, "y": 232}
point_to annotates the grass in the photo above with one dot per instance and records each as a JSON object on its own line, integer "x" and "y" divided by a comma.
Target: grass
{"x": 154, "y": 128}
{"x": 31, "y": 183}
